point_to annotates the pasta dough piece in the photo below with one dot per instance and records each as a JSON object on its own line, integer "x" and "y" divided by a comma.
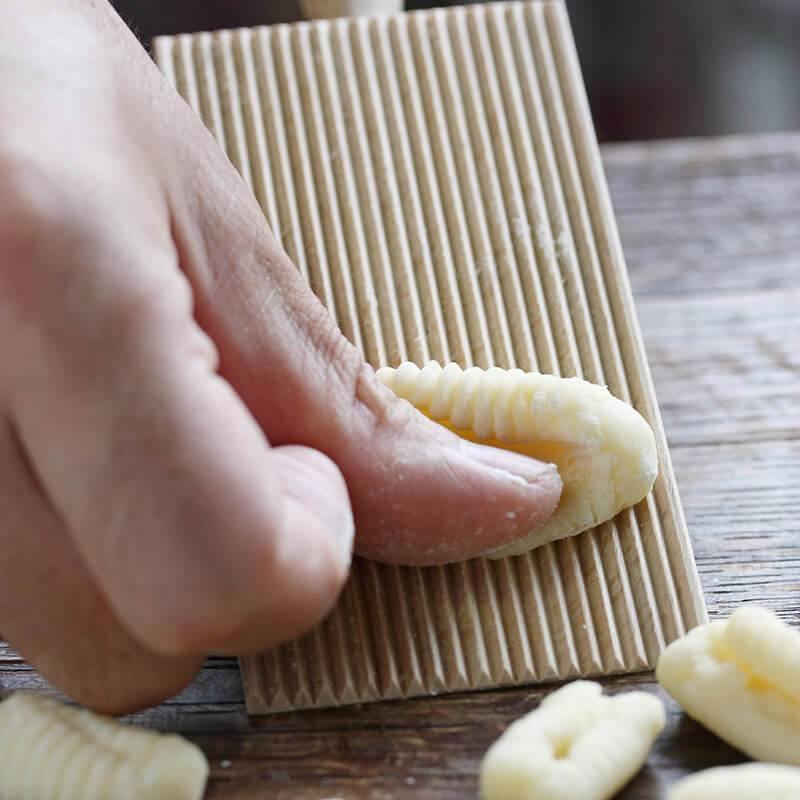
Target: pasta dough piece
{"x": 745, "y": 782}
{"x": 731, "y": 676}
{"x": 50, "y": 751}
{"x": 769, "y": 647}
{"x": 605, "y": 451}
{"x": 578, "y": 745}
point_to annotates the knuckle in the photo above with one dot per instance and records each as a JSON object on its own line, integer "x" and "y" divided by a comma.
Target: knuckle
{"x": 386, "y": 412}
{"x": 58, "y": 252}
{"x": 367, "y": 406}
{"x": 341, "y": 358}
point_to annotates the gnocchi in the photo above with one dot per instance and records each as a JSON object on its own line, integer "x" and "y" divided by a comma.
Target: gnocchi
{"x": 578, "y": 745}
{"x": 739, "y": 678}
{"x": 50, "y": 751}
{"x": 744, "y": 782}
{"x": 605, "y": 451}
{"x": 768, "y": 647}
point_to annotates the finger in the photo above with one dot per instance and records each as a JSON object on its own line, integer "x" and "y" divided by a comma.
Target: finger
{"x": 167, "y": 485}
{"x": 53, "y": 613}
{"x": 315, "y": 507}
{"x": 420, "y": 495}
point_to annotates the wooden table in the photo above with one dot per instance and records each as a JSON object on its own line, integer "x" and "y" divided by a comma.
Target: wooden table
{"x": 711, "y": 229}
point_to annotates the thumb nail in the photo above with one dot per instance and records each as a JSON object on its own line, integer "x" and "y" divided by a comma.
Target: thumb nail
{"x": 516, "y": 466}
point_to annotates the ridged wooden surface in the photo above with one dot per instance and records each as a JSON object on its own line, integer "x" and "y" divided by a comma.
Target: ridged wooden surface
{"x": 436, "y": 179}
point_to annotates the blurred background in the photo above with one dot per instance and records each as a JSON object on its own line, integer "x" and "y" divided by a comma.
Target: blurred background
{"x": 653, "y": 69}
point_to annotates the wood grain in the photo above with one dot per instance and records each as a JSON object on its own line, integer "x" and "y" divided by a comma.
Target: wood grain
{"x": 742, "y": 383}
{"x": 418, "y": 748}
{"x": 740, "y": 484}
{"x": 720, "y": 217}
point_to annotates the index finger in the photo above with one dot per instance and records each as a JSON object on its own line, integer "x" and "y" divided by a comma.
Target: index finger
{"x": 167, "y": 485}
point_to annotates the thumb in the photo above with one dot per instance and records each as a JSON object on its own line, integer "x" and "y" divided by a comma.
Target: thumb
{"x": 420, "y": 495}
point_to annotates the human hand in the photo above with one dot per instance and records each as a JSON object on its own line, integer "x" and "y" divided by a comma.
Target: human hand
{"x": 183, "y": 429}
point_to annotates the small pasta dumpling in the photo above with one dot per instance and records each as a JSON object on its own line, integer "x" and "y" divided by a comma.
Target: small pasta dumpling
{"x": 579, "y": 744}
{"x": 743, "y": 782}
{"x": 604, "y": 449}
{"x": 51, "y": 751}
{"x": 740, "y": 678}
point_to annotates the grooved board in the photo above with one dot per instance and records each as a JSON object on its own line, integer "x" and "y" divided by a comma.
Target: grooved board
{"x": 436, "y": 178}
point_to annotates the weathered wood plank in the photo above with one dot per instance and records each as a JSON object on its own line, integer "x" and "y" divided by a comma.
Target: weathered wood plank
{"x": 726, "y": 369}
{"x": 741, "y": 503}
{"x": 708, "y": 217}
{"x": 421, "y": 748}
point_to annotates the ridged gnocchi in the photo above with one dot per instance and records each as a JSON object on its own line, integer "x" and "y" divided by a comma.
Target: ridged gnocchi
{"x": 578, "y": 745}
{"x": 604, "y": 449}
{"x": 768, "y": 647}
{"x": 740, "y": 678}
{"x": 744, "y": 782}
{"x": 50, "y": 751}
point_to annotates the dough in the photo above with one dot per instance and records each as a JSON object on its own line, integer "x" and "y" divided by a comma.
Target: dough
{"x": 578, "y": 745}
{"x": 604, "y": 449}
{"x": 50, "y": 751}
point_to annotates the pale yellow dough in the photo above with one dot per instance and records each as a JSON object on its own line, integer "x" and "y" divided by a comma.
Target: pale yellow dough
{"x": 744, "y": 782}
{"x": 739, "y": 678}
{"x": 604, "y": 449}
{"x": 50, "y": 751}
{"x": 578, "y": 745}
{"x": 769, "y": 647}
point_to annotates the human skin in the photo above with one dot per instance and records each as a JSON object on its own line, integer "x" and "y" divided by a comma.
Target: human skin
{"x": 186, "y": 438}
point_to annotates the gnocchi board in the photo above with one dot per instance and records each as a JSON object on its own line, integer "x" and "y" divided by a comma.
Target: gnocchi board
{"x": 443, "y": 164}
